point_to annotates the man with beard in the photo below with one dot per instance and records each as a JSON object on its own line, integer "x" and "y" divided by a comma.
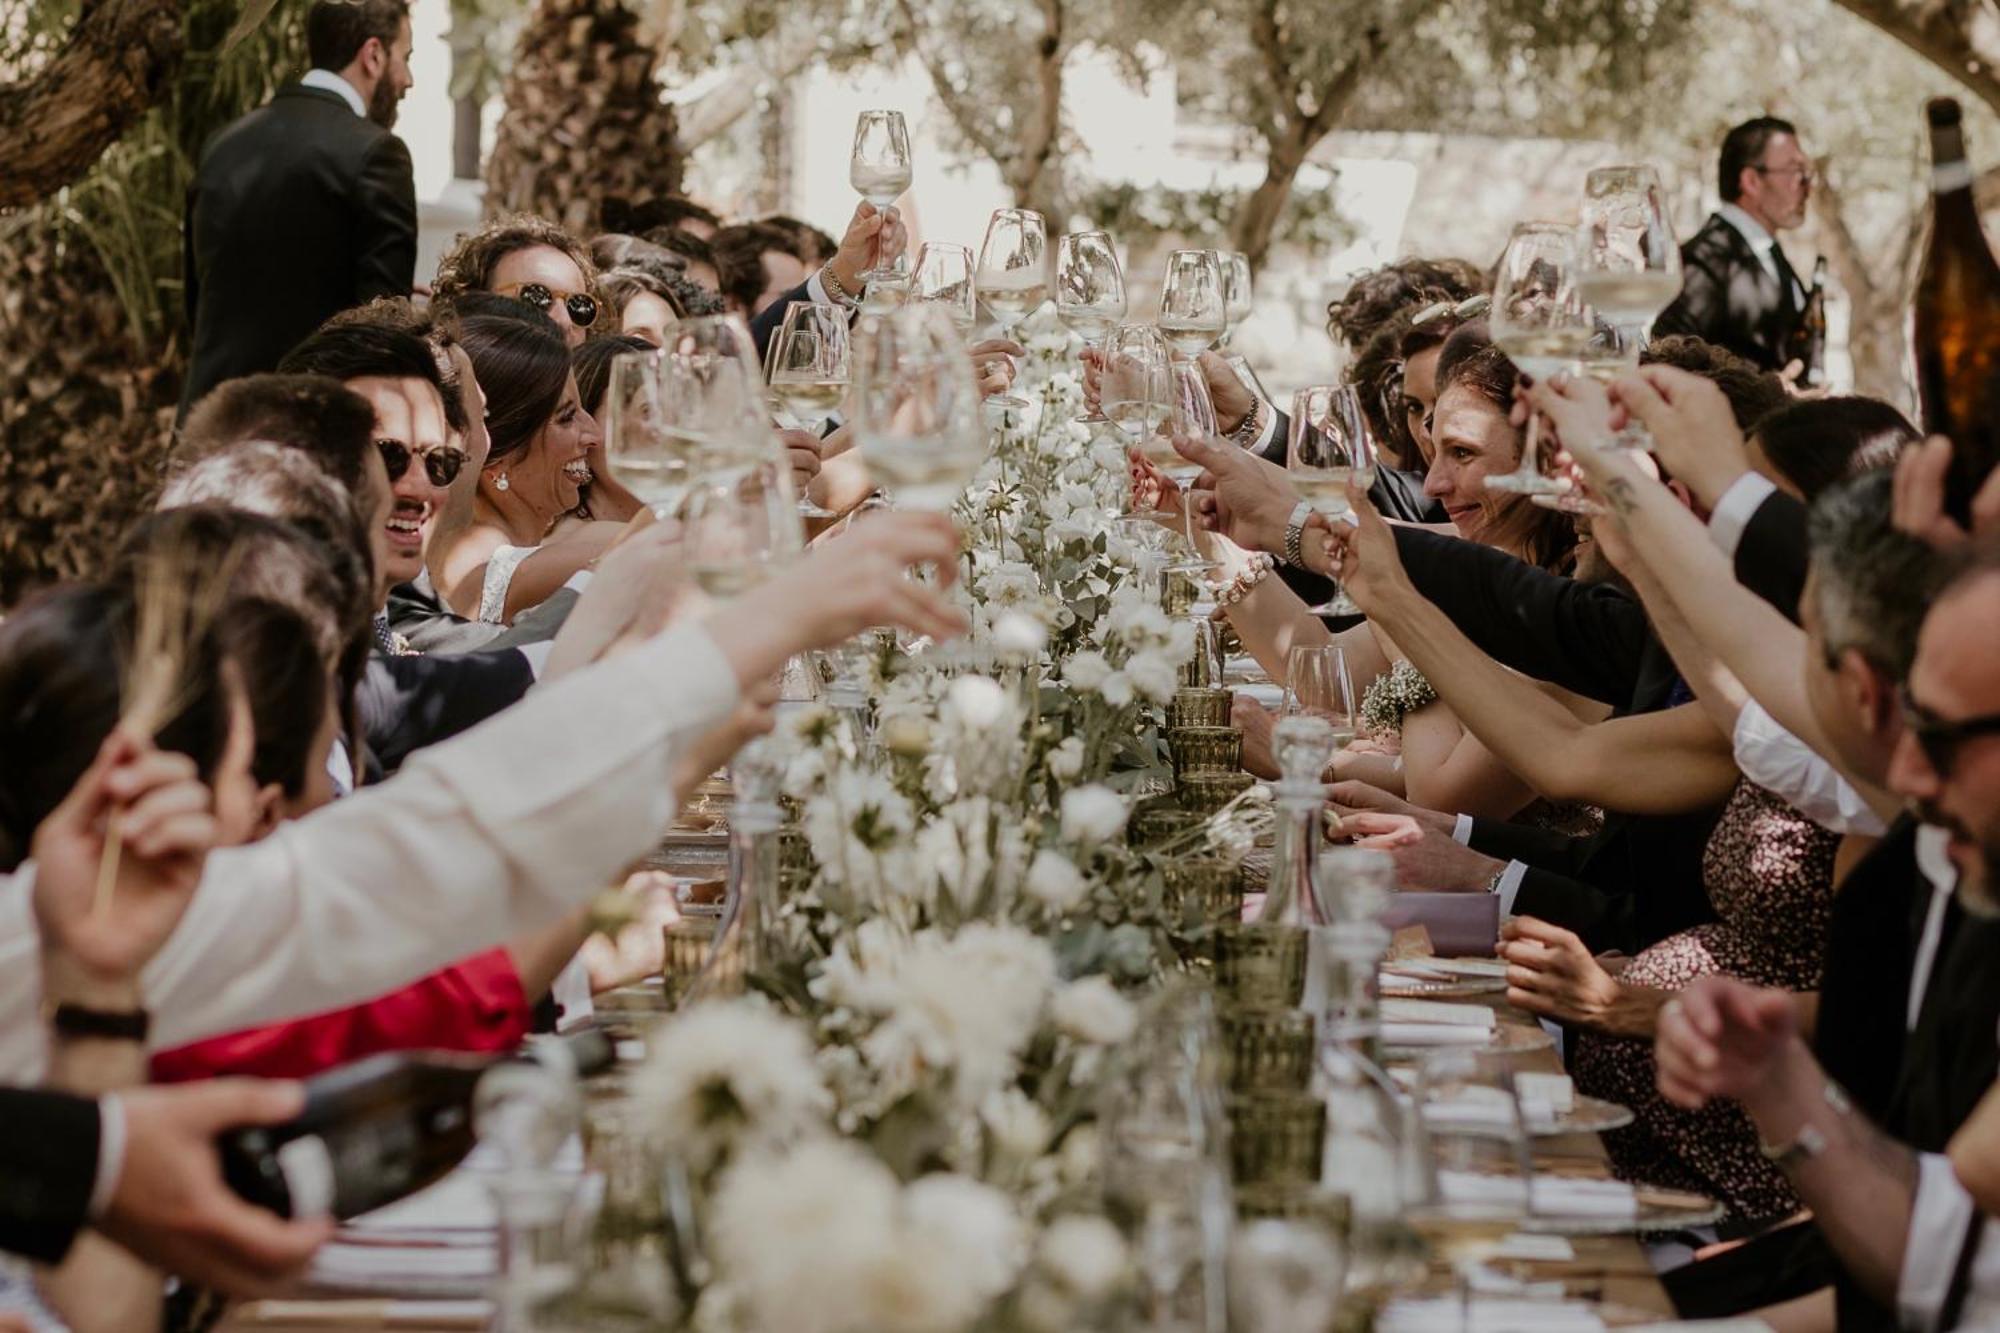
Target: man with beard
{"x": 306, "y": 206}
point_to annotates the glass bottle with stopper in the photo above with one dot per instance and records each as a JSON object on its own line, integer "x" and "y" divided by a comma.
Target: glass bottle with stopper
{"x": 742, "y": 941}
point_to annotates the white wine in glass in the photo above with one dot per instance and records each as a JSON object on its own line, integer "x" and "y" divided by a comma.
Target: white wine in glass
{"x": 879, "y": 166}
{"x": 1542, "y": 325}
{"x": 644, "y": 454}
{"x": 1330, "y": 448}
{"x": 1193, "y": 308}
{"x": 917, "y": 414}
{"x": 944, "y": 276}
{"x": 1013, "y": 277}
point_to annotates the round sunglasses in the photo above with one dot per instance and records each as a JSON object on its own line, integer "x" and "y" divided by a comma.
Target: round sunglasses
{"x": 442, "y": 466}
{"x": 582, "y": 308}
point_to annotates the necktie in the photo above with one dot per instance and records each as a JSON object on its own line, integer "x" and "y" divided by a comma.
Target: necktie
{"x": 1788, "y": 281}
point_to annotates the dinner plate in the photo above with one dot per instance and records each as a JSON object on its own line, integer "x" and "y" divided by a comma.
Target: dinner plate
{"x": 1586, "y": 1115}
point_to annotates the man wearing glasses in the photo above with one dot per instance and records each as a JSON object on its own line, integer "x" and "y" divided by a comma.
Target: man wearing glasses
{"x": 1738, "y": 290}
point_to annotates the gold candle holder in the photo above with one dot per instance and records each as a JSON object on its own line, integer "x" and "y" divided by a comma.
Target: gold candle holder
{"x": 1205, "y": 793}
{"x": 1260, "y": 965}
{"x": 1179, "y": 594}
{"x": 1200, "y": 891}
{"x": 1276, "y": 1138}
{"x": 688, "y": 942}
{"x": 1159, "y": 819}
{"x": 1205, "y": 749}
{"x": 1199, "y": 707}
{"x": 1269, "y": 1050}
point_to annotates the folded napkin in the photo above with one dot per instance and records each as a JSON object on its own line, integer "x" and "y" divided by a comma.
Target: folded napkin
{"x": 1472, "y": 1109}
{"x": 1555, "y": 1091}
{"x": 1412, "y": 969}
{"x": 1470, "y": 967}
{"x": 1487, "y": 1314}
{"x": 1434, "y": 1034}
{"x": 1438, "y": 1011}
{"x": 1563, "y": 1196}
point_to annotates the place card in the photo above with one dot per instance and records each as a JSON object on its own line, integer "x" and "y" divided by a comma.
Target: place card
{"x": 1438, "y": 1011}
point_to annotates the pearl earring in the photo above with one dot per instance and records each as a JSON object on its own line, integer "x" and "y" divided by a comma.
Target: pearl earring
{"x": 500, "y": 482}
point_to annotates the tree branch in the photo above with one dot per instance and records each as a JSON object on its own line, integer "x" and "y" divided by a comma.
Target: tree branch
{"x": 976, "y": 129}
{"x": 1944, "y": 32}
{"x": 778, "y": 62}
{"x": 53, "y": 127}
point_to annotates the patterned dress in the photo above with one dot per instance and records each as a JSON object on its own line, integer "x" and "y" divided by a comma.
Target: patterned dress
{"x": 1769, "y": 874}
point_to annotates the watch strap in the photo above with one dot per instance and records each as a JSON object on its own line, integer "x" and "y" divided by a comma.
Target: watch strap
{"x": 81, "y": 1021}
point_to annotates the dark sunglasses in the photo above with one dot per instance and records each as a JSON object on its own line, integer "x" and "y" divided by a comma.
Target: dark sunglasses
{"x": 1939, "y": 738}
{"x": 582, "y": 308}
{"x": 442, "y": 466}
{"x": 1470, "y": 308}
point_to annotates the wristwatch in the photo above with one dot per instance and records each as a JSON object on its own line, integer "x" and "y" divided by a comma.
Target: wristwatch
{"x": 1245, "y": 433}
{"x": 1295, "y": 528}
{"x": 1810, "y": 1141}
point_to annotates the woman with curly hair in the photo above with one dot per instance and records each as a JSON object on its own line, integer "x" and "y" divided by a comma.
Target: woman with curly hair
{"x": 530, "y": 259}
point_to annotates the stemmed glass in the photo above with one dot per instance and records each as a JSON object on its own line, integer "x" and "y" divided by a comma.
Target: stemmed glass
{"x": 807, "y": 366}
{"x": 1193, "y": 309}
{"x": 1013, "y": 276}
{"x": 644, "y": 456}
{"x": 1136, "y": 393}
{"x": 1331, "y": 447}
{"x": 712, "y": 395}
{"x": 739, "y": 525}
{"x": 1316, "y": 715}
{"x": 1542, "y": 325}
{"x": 1628, "y": 266}
{"x": 916, "y": 406}
{"x": 1237, "y": 296}
{"x": 1090, "y": 290}
{"x": 879, "y": 168}
{"x": 1190, "y": 414}
{"x": 1474, "y": 1157}
{"x": 944, "y": 277}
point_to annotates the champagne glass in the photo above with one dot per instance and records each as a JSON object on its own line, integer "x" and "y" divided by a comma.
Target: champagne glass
{"x": 807, "y": 366}
{"x": 1542, "y": 325}
{"x": 1013, "y": 276}
{"x": 1135, "y": 392}
{"x": 1090, "y": 291}
{"x": 917, "y": 415}
{"x": 1237, "y": 295}
{"x": 644, "y": 456}
{"x": 1628, "y": 269}
{"x": 1190, "y": 414}
{"x": 879, "y": 167}
{"x": 944, "y": 276}
{"x": 1473, "y": 1153}
{"x": 1331, "y": 447}
{"x": 1193, "y": 310}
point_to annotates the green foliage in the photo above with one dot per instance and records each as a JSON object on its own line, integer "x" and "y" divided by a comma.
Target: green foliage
{"x": 1139, "y": 215}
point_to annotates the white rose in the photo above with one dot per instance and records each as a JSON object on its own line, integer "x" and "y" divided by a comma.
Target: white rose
{"x": 1153, "y": 676}
{"x": 978, "y": 701}
{"x": 1116, "y": 689}
{"x": 1087, "y": 670}
{"x": 1019, "y": 1127}
{"x": 1066, "y": 759}
{"x": 1084, "y": 1253}
{"x": 1018, "y": 634}
{"x": 1054, "y": 880}
{"x": 1091, "y": 814}
{"x": 1093, "y": 1011}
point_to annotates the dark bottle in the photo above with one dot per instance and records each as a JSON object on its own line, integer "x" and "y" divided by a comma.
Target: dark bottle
{"x": 1808, "y": 346}
{"x": 1955, "y": 326}
{"x": 382, "y": 1128}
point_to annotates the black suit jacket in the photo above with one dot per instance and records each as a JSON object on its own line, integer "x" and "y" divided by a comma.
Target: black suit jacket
{"x": 1729, "y": 299}
{"x": 1771, "y": 556}
{"x": 763, "y": 325}
{"x": 299, "y": 210}
{"x": 418, "y": 614}
{"x": 406, "y": 703}
{"x": 48, "y": 1166}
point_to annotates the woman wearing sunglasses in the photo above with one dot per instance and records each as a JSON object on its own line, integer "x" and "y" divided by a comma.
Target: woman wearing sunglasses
{"x": 531, "y": 260}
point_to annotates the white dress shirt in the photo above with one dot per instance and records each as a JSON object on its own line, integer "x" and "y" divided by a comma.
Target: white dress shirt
{"x": 1733, "y": 508}
{"x": 328, "y": 82}
{"x": 496, "y": 831}
{"x": 1793, "y": 771}
{"x": 1508, "y": 886}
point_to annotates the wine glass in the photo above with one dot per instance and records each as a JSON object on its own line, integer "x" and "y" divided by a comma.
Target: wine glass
{"x": 644, "y": 456}
{"x": 879, "y": 167}
{"x": 1135, "y": 393}
{"x": 1013, "y": 276}
{"x": 1331, "y": 447}
{"x": 916, "y": 406}
{"x": 807, "y": 365}
{"x": 944, "y": 276}
{"x": 1190, "y": 414}
{"x": 1237, "y": 295}
{"x": 1193, "y": 310}
{"x": 1473, "y": 1153}
{"x": 1542, "y": 325}
{"x": 1628, "y": 269}
{"x": 739, "y": 524}
{"x": 1317, "y": 684}
{"x": 1090, "y": 291}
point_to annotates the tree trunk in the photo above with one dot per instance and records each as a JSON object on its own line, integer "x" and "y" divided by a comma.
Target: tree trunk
{"x": 1875, "y": 299}
{"x": 1960, "y": 37}
{"x": 1033, "y": 174}
{"x": 585, "y": 120}
{"x": 1256, "y": 219}
{"x": 117, "y": 60}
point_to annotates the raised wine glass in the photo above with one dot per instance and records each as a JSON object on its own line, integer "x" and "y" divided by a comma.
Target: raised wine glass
{"x": 916, "y": 406}
{"x": 879, "y": 168}
{"x": 1191, "y": 414}
{"x": 1330, "y": 448}
{"x": 944, "y": 277}
{"x": 807, "y": 367}
{"x": 1013, "y": 276}
{"x": 713, "y": 394}
{"x": 1628, "y": 269}
{"x": 646, "y": 457}
{"x": 740, "y": 524}
{"x": 1090, "y": 291}
{"x": 1542, "y": 325}
{"x": 1136, "y": 392}
{"x": 1193, "y": 309}
{"x": 1318, "y": 685}
{"x": 1238, "y": 299}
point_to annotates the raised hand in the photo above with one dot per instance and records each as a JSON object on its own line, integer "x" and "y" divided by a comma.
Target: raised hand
{"x": 1721, "y": 1038}
{"x": 856, "y": 581}
{"x": 993, "y": 362}
{"x": 1919, "y": 503}
{"x": 802, "y": 451}
{"x": 170, "y": 1205}
{"x": 1694, "y": 432}
{"x": 1231, "y": 396}
{"x": 165, "y": 828}
{"x": 639, "y": 587}
{"x": 874, "y": 236}
{"x": 1364, "y": 554}
{"x": 1248, "y": 500}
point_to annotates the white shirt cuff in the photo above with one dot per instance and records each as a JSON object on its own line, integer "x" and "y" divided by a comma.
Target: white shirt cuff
{"x": 1461, "y": 831}
{"x": 1509, "y": 887}
{"x": 1939, "y": 1217}
{"x": 1266, "y": 431}
{"x": 817, "y": 290}
{"x": 1733, "y": 509}
{"x": 537, "y": 655}
{"x": 110, "y": 1153}
{"x": 580, "y": 580}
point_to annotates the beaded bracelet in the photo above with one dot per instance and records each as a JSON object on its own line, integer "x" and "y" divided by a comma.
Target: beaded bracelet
{"x": 1256, "y": 572}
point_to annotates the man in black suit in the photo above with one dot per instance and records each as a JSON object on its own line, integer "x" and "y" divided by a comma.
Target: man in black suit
{"x": 1737, "y": 288}
{"x": 306, "y": 206}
